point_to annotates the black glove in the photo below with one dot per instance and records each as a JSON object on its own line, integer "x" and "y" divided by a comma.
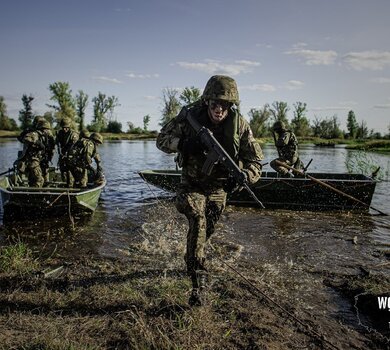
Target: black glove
{"x": 190, "y": 145}
{"x": 232, "y": 185}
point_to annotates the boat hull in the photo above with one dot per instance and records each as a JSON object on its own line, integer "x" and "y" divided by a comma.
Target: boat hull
{"x": 20, "y": 201}
{"x": 276, "y": 192}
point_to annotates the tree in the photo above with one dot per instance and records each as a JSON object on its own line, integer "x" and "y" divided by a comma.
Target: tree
{"x": 300, "y": 124}
{"x": 114, "y": 126}
{"x": 362, "y": 130}
{"x": 352, "y": 125}
{"x": 62, "y": 94}
{"x": 316, "y": 126}
{"x": 81, "y": 105}
{"x": 26, "y": 115}
{"x": 146, "y": 121}
{"x": 102, "y": 105}
{"x": 171, "y": 105}
{"x": 258, "y": 120}
{"x": 5, "y": 121}
{"x": 279, "y": 111}
{"x": 189, "y": 95}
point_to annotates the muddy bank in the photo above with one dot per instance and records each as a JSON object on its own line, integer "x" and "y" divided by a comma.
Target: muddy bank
{"x": 278, "y": 281}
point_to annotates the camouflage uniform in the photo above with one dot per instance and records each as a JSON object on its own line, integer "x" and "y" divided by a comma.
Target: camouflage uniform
{"x": 66, "y": 138}
{"x": 38, "y": 150}
{"x": 200, "y": 197}
{"x": 287, "y": 146}
{"x": 80, "y": 159}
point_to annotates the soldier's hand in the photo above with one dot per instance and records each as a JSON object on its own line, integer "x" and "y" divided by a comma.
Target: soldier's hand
{"x": 230, "y": 185}
{"x": 191, "y": 145}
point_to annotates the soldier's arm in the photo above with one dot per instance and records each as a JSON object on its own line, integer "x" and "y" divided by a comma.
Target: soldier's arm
{"x": 250, "y": 153}
{"x": 283, "y": 139}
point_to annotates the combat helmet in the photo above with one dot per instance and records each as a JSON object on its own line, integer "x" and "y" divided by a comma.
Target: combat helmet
{"x": 43, "y": 124}
{"x": 279, "y": 125}
{"x": 95, "y": 136}
{"x": 84, "y": 134}
{"x": 221, "y": 87}
{"x": 65, "y": 123}
{"x": 36, "y": 120}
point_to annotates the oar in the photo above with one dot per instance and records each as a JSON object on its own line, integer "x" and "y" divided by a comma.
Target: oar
{"x": 7, "y": 171}
{"x": 322, "y": 183}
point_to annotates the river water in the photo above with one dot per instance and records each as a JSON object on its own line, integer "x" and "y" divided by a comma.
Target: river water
{"x": 127, "y": 197}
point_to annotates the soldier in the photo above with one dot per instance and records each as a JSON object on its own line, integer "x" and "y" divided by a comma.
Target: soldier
{"x": 38, "y": 148}
{"x": 80, "y": 160}
{"x": 202, "y": 198}
{"x": 287, "y": 146}
{"x": 65, "y": 140}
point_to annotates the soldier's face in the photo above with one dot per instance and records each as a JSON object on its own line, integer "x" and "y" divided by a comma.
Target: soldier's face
{"x": 65, "y": 129}
{"x": 218, "y": 110}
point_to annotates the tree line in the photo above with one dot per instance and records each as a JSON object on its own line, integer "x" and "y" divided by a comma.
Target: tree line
{"x": 64, "y": 104}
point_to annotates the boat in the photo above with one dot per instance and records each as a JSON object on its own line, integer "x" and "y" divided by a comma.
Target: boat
{"x": 20, "y": 200}
{"x": 296, "y": 193}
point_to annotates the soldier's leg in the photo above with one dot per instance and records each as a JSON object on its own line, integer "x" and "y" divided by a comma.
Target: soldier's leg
{"x": 84, "y": 178}
{"x": 35, "y": 176}
{"x": 215, "y": 205}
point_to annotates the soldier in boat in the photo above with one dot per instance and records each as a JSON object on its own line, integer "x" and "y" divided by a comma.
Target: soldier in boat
{"x": 66, "y": 138}
{"x": 80, "y": 159}
{"x": 287, "y": 145}
{"x": 38, "y": 150}
{"x": 200, "y": 197}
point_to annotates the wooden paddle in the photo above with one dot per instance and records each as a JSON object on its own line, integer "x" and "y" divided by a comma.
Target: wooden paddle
{"x": 322, "y": 183}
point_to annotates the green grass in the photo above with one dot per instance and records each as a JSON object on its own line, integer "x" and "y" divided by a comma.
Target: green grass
{"x": 17, "y": 258}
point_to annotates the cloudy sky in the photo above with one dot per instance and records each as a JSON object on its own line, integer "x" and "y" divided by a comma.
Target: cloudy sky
{"x": 334, "y": 54}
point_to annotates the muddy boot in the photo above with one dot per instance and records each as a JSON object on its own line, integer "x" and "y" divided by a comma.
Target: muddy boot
{"x": 195, "y": 298}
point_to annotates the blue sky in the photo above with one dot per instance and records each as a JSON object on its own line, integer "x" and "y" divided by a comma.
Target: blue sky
{"x": 334, "y": 55}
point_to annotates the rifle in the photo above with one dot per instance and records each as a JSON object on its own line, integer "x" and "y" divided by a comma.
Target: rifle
{"x": 216, "y": 154}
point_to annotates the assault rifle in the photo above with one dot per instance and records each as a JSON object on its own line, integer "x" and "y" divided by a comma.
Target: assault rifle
{"x": 217, "y": 154}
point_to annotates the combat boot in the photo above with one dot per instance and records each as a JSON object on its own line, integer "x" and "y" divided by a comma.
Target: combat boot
{"x": 202, "y": 279}
{"x": 195, "y": 298}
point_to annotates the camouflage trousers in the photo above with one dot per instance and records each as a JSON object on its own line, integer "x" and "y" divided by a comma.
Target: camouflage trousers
{"x": 34, "y": 173}
{"x": 80, "y": 176}
{"x": 203, "y": 210}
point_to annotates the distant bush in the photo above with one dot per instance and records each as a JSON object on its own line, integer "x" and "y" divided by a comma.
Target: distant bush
{"x": 114, "y": 127}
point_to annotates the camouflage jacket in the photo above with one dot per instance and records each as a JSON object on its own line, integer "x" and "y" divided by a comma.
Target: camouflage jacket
{"x": 234, "y": 134}
{"x": 65, "y": 141}
{"x": 82, "y": 154}
{"x": 38, "y": 146}
{"x": 287, "y": 145}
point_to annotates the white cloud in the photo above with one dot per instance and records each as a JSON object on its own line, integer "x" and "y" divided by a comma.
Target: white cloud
{"x": 313, "y": 57}
{"x": 258, "y": 87}
{"x": 329, "y": 108}
{"x": 151, "y": 98}
{"x": 294, "y": 85}
{"x": 383, "y": 106}
{"x": 381, "y": 80}
{"x": 217, "y": 67}
{"x": 108, "y": 80}
{"x": 142, "y": 76}
{"x": 373, "y": 60}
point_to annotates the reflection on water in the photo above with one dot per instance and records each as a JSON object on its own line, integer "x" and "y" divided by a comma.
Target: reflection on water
{"x": 123, "y": 202}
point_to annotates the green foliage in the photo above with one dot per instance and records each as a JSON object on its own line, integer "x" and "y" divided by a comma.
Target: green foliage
{"x": 258, "y": 120}
{"x": 114, "y": 126}
{"x": 103, "y": 105}
{"x": 352, "y": 125}
{"x": 362, "y": 162}
{"x": 81, "y": 105}
{"x": 362, "y": 130}
{"x": 17, "y": 258}
{"x": 26, "y": 115}
{"x": 146, "y": 121}
{"x": 300, "y": 124}
{"x": 171, "y": 105}
{"x": 189, "y": 95}
{"x": 279, "y": 111}
{"x": 62, "y": 95}
{"x": 328, "y": 128}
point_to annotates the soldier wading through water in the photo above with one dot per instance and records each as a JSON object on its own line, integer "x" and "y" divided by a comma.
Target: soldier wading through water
{"x": 202, "y": 198}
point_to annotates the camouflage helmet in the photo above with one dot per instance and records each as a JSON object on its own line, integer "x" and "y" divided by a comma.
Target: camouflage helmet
{"x": 85, "y": 134}
{"x": 95, "y": 136}
{"x": 37, "y": 119}
{"x": 65, "y": 123}
{"x": 279, "y": 125}
{"x": 221, "y": 87}
{"x": 43, "y": 124}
